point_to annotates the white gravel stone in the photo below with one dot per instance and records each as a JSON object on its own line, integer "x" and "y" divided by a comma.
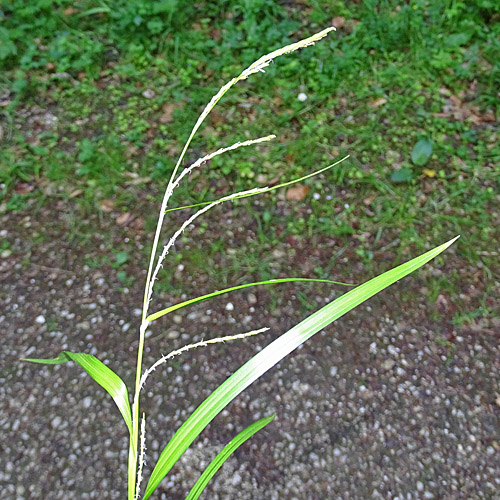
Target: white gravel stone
{"x": 56, "y": 422}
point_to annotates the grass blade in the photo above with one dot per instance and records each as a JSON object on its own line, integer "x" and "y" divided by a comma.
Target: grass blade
{"x": 95, "y": 10}
{"x": 272, "y": 354}
{"x": 161, "y": 313}
{"x": 266, "y": 189}
{"x": 103, "y": 375}
{"x": 224, "y": 454}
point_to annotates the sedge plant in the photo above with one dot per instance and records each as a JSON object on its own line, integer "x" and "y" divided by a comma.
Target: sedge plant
{"x": 252, "y": 369}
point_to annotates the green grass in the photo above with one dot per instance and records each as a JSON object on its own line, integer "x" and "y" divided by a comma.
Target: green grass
{"x": 432, "y": 68}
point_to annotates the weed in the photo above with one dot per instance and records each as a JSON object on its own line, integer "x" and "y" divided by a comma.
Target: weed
{"x": 261, "y": 362}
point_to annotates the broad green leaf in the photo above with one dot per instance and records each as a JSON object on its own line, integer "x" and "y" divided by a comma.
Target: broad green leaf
{"x": 224, "y": 454}
{"x": 161, "y": 313}
{"x": 120, "y": 259}
{"x": 456, "y": 39}
{"x": 103, "y": 375}
{"x": 269, "y": 356}
{"x": 402, "y": 175}
{"x": 421, "y": 152}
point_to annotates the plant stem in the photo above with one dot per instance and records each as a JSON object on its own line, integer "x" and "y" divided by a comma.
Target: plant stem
{"x": 257, "y": 66}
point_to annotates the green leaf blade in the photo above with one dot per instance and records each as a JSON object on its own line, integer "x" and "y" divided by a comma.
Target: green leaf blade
{"x": 402, "y": 175}
{"x": 266, "y": 190}
{"x": 224, "y": 454}
{"x": 102, "y": 374}
{"x": 168, "y": 310}
{"x": 422, "y": 152}
{"x": 271, "y": 355}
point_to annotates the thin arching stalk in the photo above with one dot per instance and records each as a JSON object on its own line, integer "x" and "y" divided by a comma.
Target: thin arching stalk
{"x": 257, "y": 66}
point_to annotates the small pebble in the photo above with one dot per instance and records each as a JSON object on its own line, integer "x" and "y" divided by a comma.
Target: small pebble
{"x": 56, "y": 422}
{"x": 252, "y": 299}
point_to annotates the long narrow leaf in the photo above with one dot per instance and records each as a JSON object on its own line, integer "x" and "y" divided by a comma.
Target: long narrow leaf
{"x": 103, "y": 375}
{"x": 161, "y": 313}
{"x": 267, "y": 189}
{"x": 269, "y": 356}
{"x": 224, "y": 454}
{"x": 95, "y": 10}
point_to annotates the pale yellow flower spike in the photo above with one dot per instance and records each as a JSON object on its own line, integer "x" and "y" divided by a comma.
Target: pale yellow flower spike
{"x": 264, "y": 61}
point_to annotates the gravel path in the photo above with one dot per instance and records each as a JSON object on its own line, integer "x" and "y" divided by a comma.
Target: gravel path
{"x": 385, "y": 404}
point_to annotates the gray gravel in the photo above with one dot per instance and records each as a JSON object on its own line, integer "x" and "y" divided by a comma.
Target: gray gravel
{"x": 373, "y": 407}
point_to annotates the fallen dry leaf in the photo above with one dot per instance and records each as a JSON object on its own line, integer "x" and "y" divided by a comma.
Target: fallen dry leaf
{"x": 138, "y": 224}
{"x": 368, "y": 201}
{"x": 107, "y": 205}
{"x": 124, "y": 218}
{"x": 489, "y": 116}
{"x": 456, "y": 101}
{"x": 429, "y": 173}
{"x": 297, "y": 193}
{"x": 377, "y": 102}
{"x": 149, "y": 94}
{"x": 338, "y": 22}
{"x": 70, "y": 11}
{"x": 131, "y": 151}
{"x": 136, "y": 181}
{"x": 442, "y": 303}
{"x": 497, "y": 400}
{"x": 23, "y": 187}
{"x": 75, "y": 193}
{"x": 215, "y": 34}
{"x": 168, "y": 113}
